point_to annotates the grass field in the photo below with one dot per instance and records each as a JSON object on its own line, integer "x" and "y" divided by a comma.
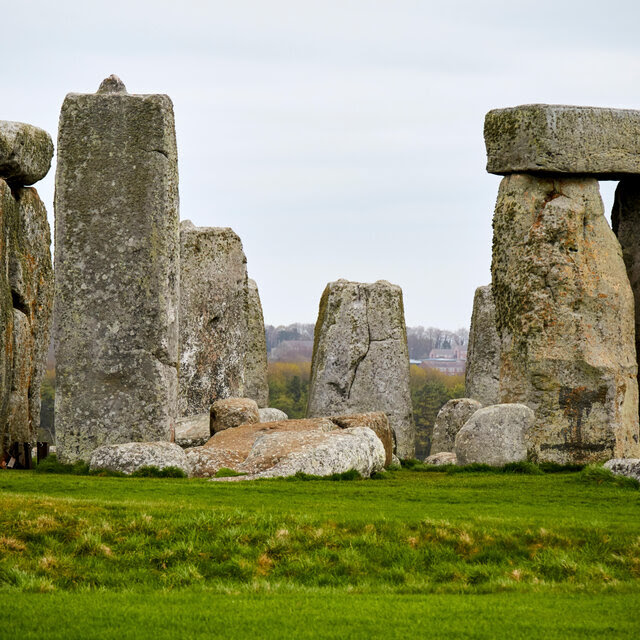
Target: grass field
{"x": 417, "y": 554}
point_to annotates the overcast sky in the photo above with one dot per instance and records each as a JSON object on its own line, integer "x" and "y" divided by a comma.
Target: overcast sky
{"x": 339, "y": 139}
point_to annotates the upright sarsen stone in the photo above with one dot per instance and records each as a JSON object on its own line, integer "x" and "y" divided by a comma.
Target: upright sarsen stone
{"x": 565, "y": 315}
{"x": 360, "y": 357}
{"x": 26, "y": 300}
{"x": 256, "y": 386}
{"x": 482, "y": 374}
{"x": 214, "y": 303}
{"x": 117, "y": 270}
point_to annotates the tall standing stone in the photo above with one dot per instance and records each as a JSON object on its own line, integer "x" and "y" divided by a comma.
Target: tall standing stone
{"x": 26, "y": 281}
{"x": 360, "y": 357}
{"x": 117, "y": 270}
{"x": 256, "y": 386}
{"x": 214, "y": 302}
{"x": 625, "y": 221}
{"x": 565, "y": 314}
{"x": 482, "y": 376}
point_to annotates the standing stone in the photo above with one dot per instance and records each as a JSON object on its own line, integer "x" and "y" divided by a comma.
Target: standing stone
{"x": 255, "y": 375}
{"x": 449, "y": 421}
{"x": 214, "y": 302}
{"x": 117, "y": 270}
{"x": 26, "y": 299}
{"x": 360, "y": 357}
{"x": 482, "y": 376}
{"x": 565, "y": 315}
{"x": 625, "y": 221}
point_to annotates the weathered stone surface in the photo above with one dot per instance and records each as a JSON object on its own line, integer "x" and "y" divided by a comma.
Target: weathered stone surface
{"x": 131, "y": 456}
{"x": 563, "y": 139}
{"x": 629, "y": 467}
{"x": 230, "y": 448}
{"x": 449, "y": 421}
{"x": 625, "y": 222}
{"x": 25, "y": 153}
{"x": 269, "y": 414}
{"x": 565, "y": 314}
{"x": 360, "y": 357}
{"x": 316, "y": 453}
{"x": 482, "y": 375}
{"x": 117, "y": 271}
{"x": 26, "y": 299}
{"x": 374, "y": 420}
{"x": 214, "y": 304}
{"x": 495, "y": 435}
{"x": 232, "y": 412}
{"x": 395, "y": 461}
{"x": 255, "y": 367}
{"x": 444, "y": 457}
{"x": 193, "y": 431}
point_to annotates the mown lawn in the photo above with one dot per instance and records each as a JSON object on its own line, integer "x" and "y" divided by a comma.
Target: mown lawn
{"x": 417, "y": 554}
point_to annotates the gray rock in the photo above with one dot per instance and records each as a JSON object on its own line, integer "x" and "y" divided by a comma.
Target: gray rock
{"x": 131, "y": 456}
{"x": 629, "y": 467}
{"x": 442, "y": 458}
{"x": 395, "y": 461}
{"x": 495, "y": 435}
{"x": 214, "y": 303}
{"x": 377, "y": 421}
{"x": 565, "y": 314}
{"x": 562, "y": 139}
{"x": 232, "y": 412}
{"x": 193, "y": 431}
{"x": 449, "y": 421}
{"x": 255, "y": 368}
{"x": 117, "y": 271}
{"x": 316, "y": 453}
{"x": 25, "y": 153}
{"x": 26, "y": 299}
{"x": 625, "y": 222}
{"x": 272, "y": 415}
{"x": 482, "y": 375}
{"x": 360, "y": 357}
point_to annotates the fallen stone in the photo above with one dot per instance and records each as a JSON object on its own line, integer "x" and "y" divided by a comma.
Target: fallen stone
{"x": 316, "y": 453}
{"x": 374, "y": 420}
{"x": 193, "y": 431}
{"x": 629, "y": 467}
{"x": 26, "y": 299}
{"x": 395, "y": 461}
{"x": 482, "y": 375}
{"x": 25, "y": 153}
{"x": 270, "y": 414}
{"x": 230, "y": 448}
{"x": 449, "y": 421}
{"x": 232, "y": 412}
{"x": 360, "y": 357}
{"x": 131, "y": 456}
{"x": 442, "y": 458}
{"x": 495, "y": 435}
{"x": 565, "y": 313}
{"x": 214, "y": 306}
{"x": 117, "y": 271}
{"x": 563, "y": 139}
{"x": 255, "y": 366}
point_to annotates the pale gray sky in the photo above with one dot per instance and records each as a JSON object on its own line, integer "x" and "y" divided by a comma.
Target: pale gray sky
{"x": 339, "y": 139}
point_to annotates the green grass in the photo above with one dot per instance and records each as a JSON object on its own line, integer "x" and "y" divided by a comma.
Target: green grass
{"x": 534, "y": 554}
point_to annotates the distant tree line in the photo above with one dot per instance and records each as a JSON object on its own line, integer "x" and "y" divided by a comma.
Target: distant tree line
{"x": 281, "y": 341}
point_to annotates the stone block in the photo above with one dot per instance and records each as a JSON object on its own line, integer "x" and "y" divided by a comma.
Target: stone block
{"x": 25, "y": 153}
{"x": 563, "y": 139}
{"x": 117, "y": 270}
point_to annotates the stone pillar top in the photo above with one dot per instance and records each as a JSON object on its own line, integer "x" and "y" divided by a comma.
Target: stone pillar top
{"x": 563, "y": 139}
{"x": 112, "y": 84}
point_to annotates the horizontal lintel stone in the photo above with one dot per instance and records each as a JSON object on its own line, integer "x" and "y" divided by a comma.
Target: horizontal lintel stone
{"x": 25, "y": 153}
{"x": 562, "y": 139}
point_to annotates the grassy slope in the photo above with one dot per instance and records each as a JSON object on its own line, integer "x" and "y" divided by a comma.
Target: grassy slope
{"x": 539, "y": 553}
